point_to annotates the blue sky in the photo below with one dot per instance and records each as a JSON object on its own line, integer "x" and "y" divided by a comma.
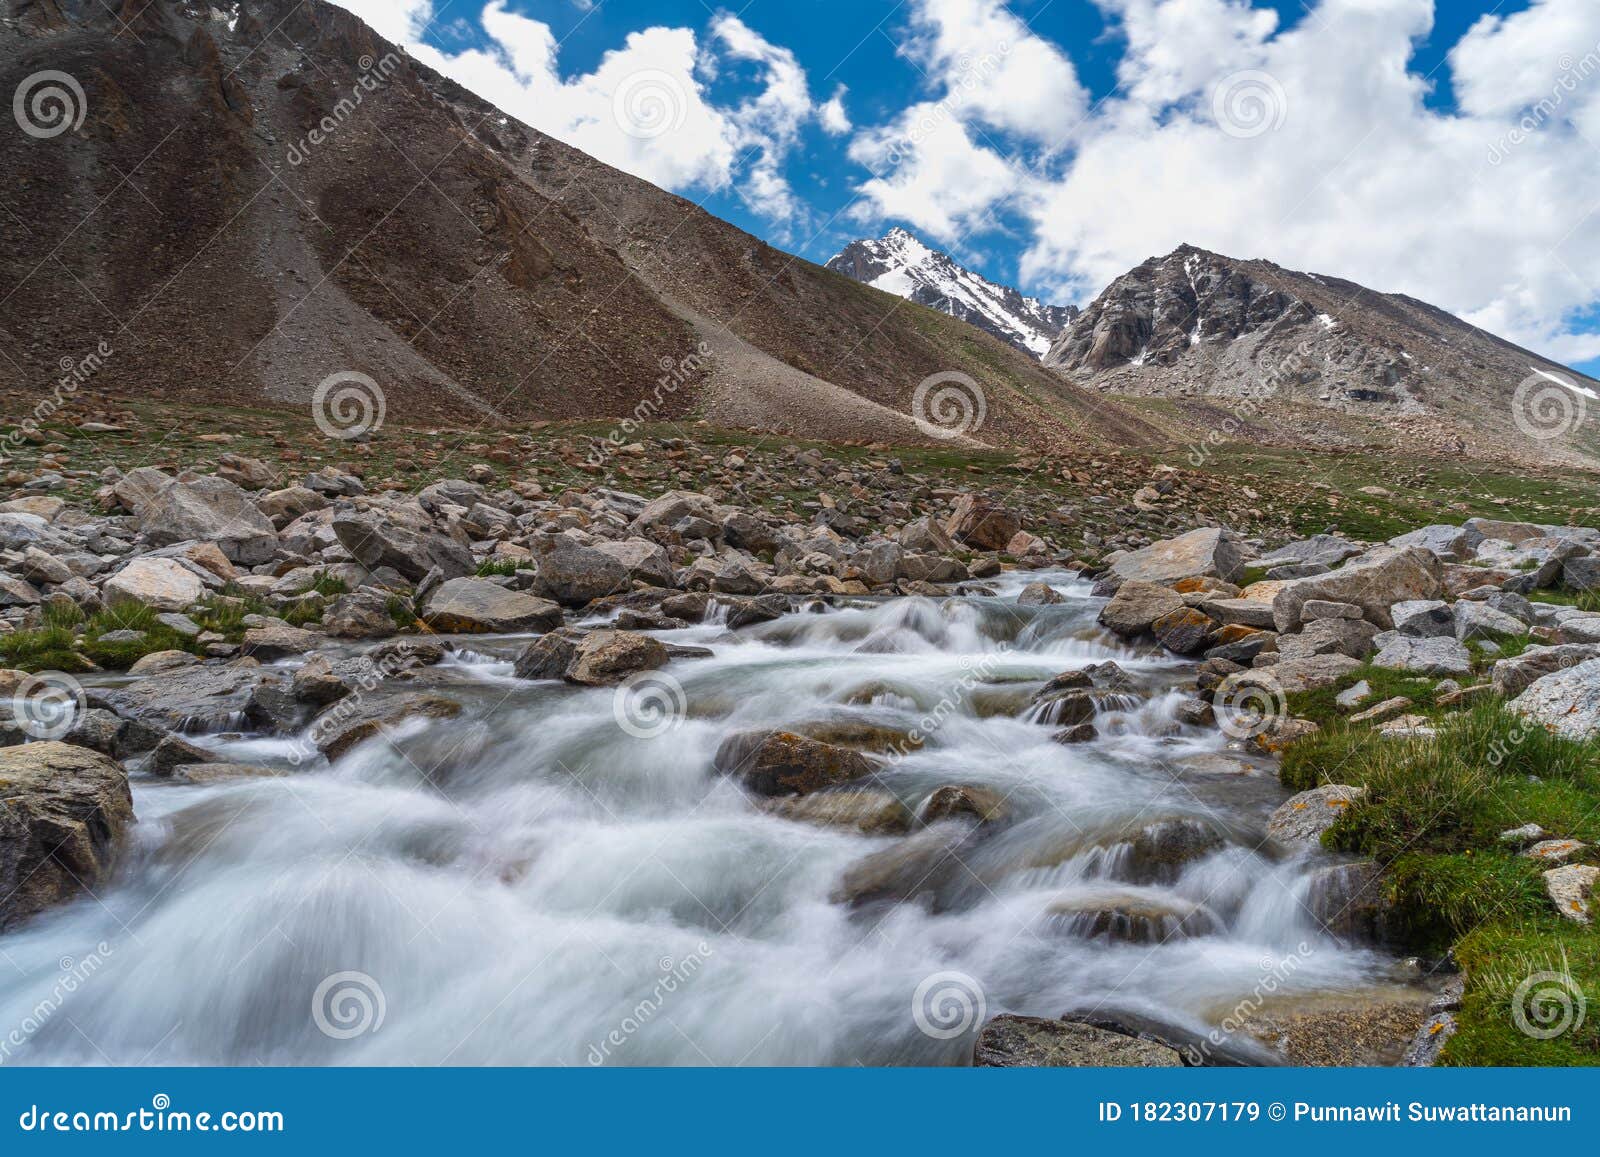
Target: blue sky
{"x": 1451, "y": 152}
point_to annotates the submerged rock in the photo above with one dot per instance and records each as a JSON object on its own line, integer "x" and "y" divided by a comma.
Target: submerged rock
{"x": 1034, "y": 1042}
{"x": 777, "y": 763}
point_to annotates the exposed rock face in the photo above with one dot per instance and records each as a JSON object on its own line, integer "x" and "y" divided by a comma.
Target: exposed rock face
{"x": 1303, "y": 818}
{"x": 1136, "y": 606}
{"x": 1438, "y": 657}
{"x": 573, "y": 575}
{"x": 351, "y": 721}
{"x": 983, "y": 524}
{"x": 158, "y": 583}
{"x": 1208, "y": 552}
{"x": 278, "y": 640}
{"x": 1510, "y": 677}
{"x": 193, "y": 698}
{"x": 1565, "y": 702}
{"x": 606, "y": 657}
{"x": 1375, "y": 582}
{"x": 63, "y": 810}
{"x": 474, "y": 605}
{"x": 209, "y": 509}
{"x": 382, "y": 540}
{"x": 1034, "y": 1042}
{"x": 782, "y": 763}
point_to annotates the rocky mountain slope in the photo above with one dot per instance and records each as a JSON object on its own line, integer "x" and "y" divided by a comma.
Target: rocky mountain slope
{"x": 243, "y": 201}
{"x": 1298, "y": 353}
{"x": 901, "y": 264}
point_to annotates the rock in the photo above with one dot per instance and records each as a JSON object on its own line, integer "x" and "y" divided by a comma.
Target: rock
{"x": 158, "y": 661}
{"x": 209, "y": 509}
{"x": 774, "y": 763}
{"x": 1427, "y": 1046}
{"x": 173, "y": 752}
{"x": 1481, "y": 621}
{"x": 96, "y": 729}
{"x": 1209, "y": 551}
{"x": 278, "y": 640}
{"x": 1526, "y": 834}
{"x": 139, "y": 485}
{"x": 1449, "y": 542}
{"x": 1158, "y": 852}
{"x": 547, "y": 657}
{"x": 1581, "y": 573}
{"x": 927, "y": 535}
{"x": 1195, "y": 713}
{"x": 948, "y": 802}
{"x": 378, "y": 540}
{"x": 1353, "y": 696}
{"x": 573, "y": 575}
{"x": 980, "y": 523}
{"x": 642, "y": 559}
{"x": 1329, "y": 636}
{"x": 1280, "y": 734}
{"x": 877, "y": 813}
{"x": 362, "y": 614}
{"x": 474, "y": 605}
{"x": 15, "y": 592}
{"x": 247, "y": 473}
{"x": 1136, "y": 606}
{"x": 1388, "y": 709}
{"x": 602, "y": 658}
{"x": 1571, "y": 890}
{"x": 1033, "y": 1042}
{"x": 1039, "y": 595}
{"x": 1511, "y": 677}
{"x": 39, "y": 567}
{"x": 1424, "y": 618}
{"x": 63, "y": 811}
{"x": 203, "y": 698}
{"x": 1311, "y": 673}
{"x": 1438, "y": 657}
{"x": 1183, "y": 632}
{"x": 1349, "y": 901}
{"x": 1376, "y": 581}
{"x": 1555, "y": 851}
{"x": 1566, "y": 703}
{"x": 161, "y": 584}
{"x": 1077, "y": 733}
{"x": 1303, "y": 818}
{"x": 1240, "y": 612}
{"x": 205, "y": 773}
{"x": 292, "y": 502}
{"x": 315, "y": 683}
{"x": 1133, "y": 916}
{"x": 352, "y": 721}
{"x": 1317, "y": 609}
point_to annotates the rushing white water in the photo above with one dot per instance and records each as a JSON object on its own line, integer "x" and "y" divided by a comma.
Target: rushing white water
{"x": 535, "y": 883}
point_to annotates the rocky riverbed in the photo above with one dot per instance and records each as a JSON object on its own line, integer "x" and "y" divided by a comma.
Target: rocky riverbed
{"x": 604, "y": 777}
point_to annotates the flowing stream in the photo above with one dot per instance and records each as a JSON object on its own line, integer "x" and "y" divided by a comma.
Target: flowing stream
{"x": 559, "y": 877}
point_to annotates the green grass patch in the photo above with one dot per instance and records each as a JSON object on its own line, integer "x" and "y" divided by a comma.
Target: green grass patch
{"x": 503, "y": 567}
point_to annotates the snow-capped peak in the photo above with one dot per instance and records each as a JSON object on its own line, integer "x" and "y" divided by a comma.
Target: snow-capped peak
{"x": 902, "y": 264}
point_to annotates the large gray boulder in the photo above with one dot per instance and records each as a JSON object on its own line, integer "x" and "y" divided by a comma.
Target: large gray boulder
{"x": 162, "y": 584}
{"x": 573, "y": 574}
{"x": 1424, "y": 618}
{"x": 643, "y": 559}
{"x": 209, "y": 509}
{"x": 1511, "y": 677}
{"x": 1374, "y": 582}
{"x": 474, "y": 605}
{"x": 377, "y": 539}
{"x": 1136, "y": 606}
{"x": 1303, "y": 818}
{"x": 1438, "y": 657}
{"x": 1449, "y": 542}
{"x": 1481, "y": 621}
{"x": 204, "y": 698}
{"x": 1210, "y": 552}
{"x": 63, "y": 810}
{"x": 1565, "y": 702}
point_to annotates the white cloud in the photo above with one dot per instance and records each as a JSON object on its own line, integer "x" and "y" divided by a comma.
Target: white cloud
{"x": 835, "y": 121}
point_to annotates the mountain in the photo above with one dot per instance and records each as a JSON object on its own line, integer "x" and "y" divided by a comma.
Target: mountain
{"x": 1301, "y": 355}
{"x": 245, "y": 199}
{"x": 900, "y": 264}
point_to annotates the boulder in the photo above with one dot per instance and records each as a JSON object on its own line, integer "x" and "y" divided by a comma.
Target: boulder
{"x": 951, "y": 801}
{"x": 1571, "y": 890}
{"x": 1303, "y": 818}
{"x": 642, "y": 559}
{"x": 1448, "y": 542}
{"x": 573, "y": 574}
{"x": 63, "y": 811}
{"x": 1183, "y": 632}
{"x": 876, "y": 813}
{"x": 1329, "y": 636}
{"x": 775, "y": 763}
{"x": 1511, "y": 677}
{"x": 379, "y": 539}
{"x": 926, "y": 535}
{"x": 547, "y": 657}
{"x": 1481, "y": 621}
{"x": 1376, "y": 581}
{"x": 357, "y": 718}
{"x": 474, "y": 605}
{"x": 980, "y": 523}
{"x": 1210, "y": 551}
{"x": 1240, "y": 612}
{"x": 204, "y": 698}
{"x": 1437, "y": 657}
{"x": 1424, "y": 618}
{"x": 1317, "y": 609}
{"x": 1565, "y": 702}
{"x": 1136, "y": 606}
{"x": 602, "y": 658}
{"x": 362, "y": 614}
{"x": 1033, "y": 1042}
{"x": 162, "y": 584}
{"x": 276, "y": 639}
{"x": 209, "y": 509}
